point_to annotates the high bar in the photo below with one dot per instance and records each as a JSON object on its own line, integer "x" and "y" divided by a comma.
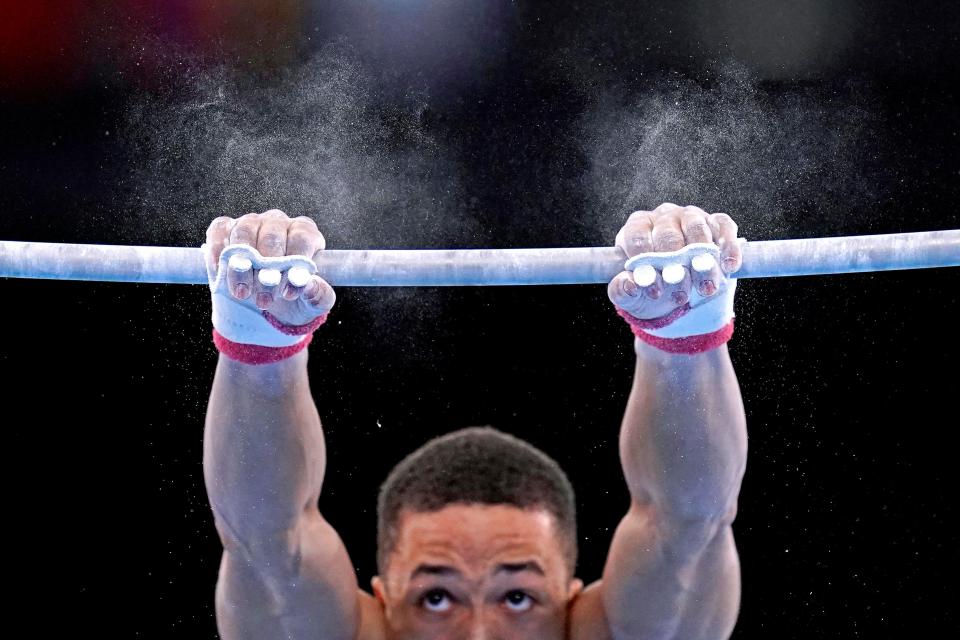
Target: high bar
{"x": 481, "y": 267}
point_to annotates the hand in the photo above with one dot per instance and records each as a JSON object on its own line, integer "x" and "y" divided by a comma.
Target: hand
{"x": 669, "y": 228}
{"x": 273, "y": 234}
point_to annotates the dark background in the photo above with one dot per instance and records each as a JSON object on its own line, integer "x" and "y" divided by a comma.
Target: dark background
{"x": 847, "y": 516}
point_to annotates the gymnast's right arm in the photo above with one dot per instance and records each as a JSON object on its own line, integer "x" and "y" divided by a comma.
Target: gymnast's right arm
{"x": 284, "y": 573}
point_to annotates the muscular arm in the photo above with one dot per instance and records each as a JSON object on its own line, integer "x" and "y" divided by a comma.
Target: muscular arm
{"x": 673, "y": 571}
{"x": 285, "y": 573}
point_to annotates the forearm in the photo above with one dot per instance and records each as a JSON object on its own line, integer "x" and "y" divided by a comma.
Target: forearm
{"x": 264, "y": 452}
{"x": 683, "y": 441}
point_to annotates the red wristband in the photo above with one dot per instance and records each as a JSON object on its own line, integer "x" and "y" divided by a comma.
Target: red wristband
{"x": 687, "y": 345}
{"x": 259, "y": 354}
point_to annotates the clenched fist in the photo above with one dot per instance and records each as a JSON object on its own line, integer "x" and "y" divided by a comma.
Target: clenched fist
{"x": 670, "y": 228}
{"x": 681, "y": 303}
{"x": 273, "y": 234}
{"x": 266, "y": 294}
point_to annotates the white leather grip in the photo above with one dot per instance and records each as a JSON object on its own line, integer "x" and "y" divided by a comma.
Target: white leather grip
{"x": 240, "y": 320}
{"x": 706, "y": 314}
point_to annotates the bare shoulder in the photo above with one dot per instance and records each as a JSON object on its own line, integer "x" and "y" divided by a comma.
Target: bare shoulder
{"x": 373, "y": 624}
{"x": 587, "y": 619}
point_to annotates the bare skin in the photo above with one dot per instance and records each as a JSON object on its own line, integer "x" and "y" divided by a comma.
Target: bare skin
{"x": 476, "y": 572}
{"x": 471, "y": 571}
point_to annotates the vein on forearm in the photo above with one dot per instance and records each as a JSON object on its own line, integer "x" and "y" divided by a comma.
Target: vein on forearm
{"x": 264, "y": 453}
{"x": 683, "y": 437}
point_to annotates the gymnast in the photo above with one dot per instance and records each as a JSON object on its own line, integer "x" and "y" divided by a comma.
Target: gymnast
{"x": 477, "y": 529}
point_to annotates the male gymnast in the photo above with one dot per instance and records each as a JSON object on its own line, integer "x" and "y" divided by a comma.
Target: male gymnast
{"x": 476, "y": 529}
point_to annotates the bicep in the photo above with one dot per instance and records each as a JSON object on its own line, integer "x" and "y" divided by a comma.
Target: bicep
{"x": 662, "y": 583}
{"x": 301, "y": 587}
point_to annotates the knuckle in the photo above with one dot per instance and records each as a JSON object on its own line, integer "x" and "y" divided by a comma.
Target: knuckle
{"x": 271, "y": 239}
{"x": 220, "y": 225}
{"x": 694, "y": 221}
{"x": 305, "y": 220}
{"x": 697, "y": 228}
{"x": 274, "y": 213}
{"x": 724, "y": 219}
{"x": 669, "y": 237}
{"x": 635, "y": 226}
{"x": 301, "y": 237}
{"x": 243, "y": 233}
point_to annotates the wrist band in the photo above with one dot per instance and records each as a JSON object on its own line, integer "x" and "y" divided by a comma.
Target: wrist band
{"x": 259, "y": 354}
{"x": 688, "y": 345}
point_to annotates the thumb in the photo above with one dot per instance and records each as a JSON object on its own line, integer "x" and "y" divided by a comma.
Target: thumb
{"x": 623, "y": 291}
{"x": 644, "y": 299}
{"x": 318, "y": 297}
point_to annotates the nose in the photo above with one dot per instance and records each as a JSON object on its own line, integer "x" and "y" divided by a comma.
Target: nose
{"x": 479, "y": 629}
{"x": 479, "y": 632}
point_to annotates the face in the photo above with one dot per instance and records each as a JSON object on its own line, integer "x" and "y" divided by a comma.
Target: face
{"x": 477, "y": 572}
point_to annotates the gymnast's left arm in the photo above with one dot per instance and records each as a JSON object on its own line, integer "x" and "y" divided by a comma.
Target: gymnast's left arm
{"x": 672, "y": 571}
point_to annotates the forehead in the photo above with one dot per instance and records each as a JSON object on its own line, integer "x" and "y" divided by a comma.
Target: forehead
{"x": 475, "y": 533}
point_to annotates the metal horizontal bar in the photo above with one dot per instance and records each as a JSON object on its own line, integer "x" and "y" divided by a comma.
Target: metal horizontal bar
{"x": 481, "y": 267}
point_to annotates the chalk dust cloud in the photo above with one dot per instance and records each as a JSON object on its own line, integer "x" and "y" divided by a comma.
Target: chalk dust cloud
{"x": 782, "y": 159}
{"x": 314, "y": 139}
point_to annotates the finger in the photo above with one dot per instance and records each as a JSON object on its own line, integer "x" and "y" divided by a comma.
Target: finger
{"x": 714, "y": 228}
{"x": 266, "y": 286}
{"x": 272, "y": 235}
{"x": 636, "y": 236}
{"x": 303, "y": 238}
{"x": 693, "y": 222}
{"x": 245, "y": 230}
{"x": 218, "y": 235}
{"x": 240, "y": 276}
{"x": 293, "y": 282}
{"x": 676, "y": 283}
{"x": 705, "y": 274}
{"x": 648, "y": 279}
{"x": 271, "y": 243}
{"x": 318, "y": 295}
{"x": 623, "y": 291}
{"x": 667, "y": 234}
{"x": 641, "y": 301}
{"x": 731, "y": 258}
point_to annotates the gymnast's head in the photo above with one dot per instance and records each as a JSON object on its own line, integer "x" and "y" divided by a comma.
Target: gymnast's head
{"x": 476, "y": 538}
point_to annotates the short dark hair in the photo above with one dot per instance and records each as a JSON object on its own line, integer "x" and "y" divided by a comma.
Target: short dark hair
{"x": 476, "y": 465}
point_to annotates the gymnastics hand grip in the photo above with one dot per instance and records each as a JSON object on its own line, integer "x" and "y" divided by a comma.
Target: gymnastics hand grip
{"x": 240, "y": 321}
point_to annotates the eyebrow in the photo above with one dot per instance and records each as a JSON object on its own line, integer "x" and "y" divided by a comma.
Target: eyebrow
{"x": 507, "y": 567}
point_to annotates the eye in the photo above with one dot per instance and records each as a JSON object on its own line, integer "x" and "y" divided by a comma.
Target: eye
{"x": 518, "y": 601}
{"x": 436, "y": 601}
